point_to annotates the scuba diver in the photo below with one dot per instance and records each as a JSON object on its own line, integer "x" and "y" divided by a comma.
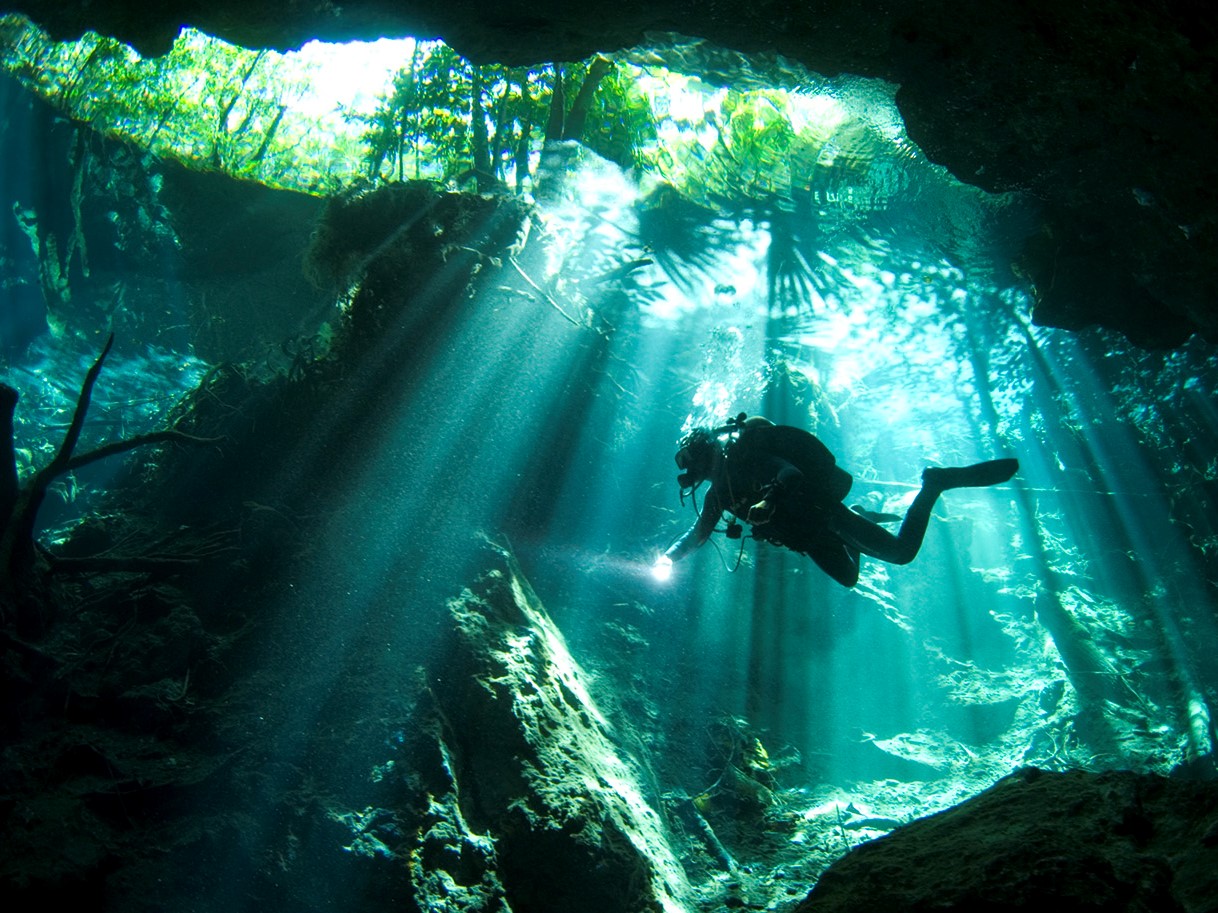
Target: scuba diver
{"x": 787, "y": 485}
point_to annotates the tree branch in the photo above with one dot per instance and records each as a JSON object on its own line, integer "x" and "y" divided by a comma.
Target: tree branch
{"x": 78, "y": 417}
{"x": 19, "y": 505}
{"x": 140, "y": 440}
{"x": 132, "y": 564}
{"x": 573, "y": 126}
{"x": 8, "y": 453}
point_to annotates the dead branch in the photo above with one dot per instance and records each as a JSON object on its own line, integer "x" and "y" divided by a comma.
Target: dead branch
{"x": 132, "y": 564}
{"x": 8, "y": 453}
{"x": 19, "y": 556}
{"x": 546, "y": 295}
{"x": 164, "y": 556}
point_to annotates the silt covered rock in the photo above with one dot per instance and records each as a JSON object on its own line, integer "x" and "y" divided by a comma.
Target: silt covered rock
{"x": 542, "y": 800}
{"x": 1116, "y": 842}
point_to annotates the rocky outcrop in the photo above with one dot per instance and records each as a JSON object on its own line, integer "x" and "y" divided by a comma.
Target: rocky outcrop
{"x": 240, "y": 246}
{"x": 544, "y": 810}
{"x": 1115, "y": 842}
{"x": 159, "y": 723}
{"x": 107, "y": 237}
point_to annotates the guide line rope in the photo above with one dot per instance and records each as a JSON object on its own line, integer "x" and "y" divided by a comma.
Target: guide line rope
{"x": 1076, "y": 491}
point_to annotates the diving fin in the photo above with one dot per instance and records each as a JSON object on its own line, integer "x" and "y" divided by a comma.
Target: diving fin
{"x": 979, "y": 475}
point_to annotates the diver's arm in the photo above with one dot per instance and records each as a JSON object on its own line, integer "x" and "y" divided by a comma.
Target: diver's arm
{"x": 693, "y": 537}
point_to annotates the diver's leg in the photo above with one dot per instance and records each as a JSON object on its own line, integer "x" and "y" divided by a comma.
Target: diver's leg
{"x": 872, "y": 539}
{"x": 838, "y": 560}
{"x": 811, "y": 535}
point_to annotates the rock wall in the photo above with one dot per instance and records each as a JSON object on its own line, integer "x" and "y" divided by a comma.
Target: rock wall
{"x": 105, "y": 237}
{"x": 1115, "y": 842}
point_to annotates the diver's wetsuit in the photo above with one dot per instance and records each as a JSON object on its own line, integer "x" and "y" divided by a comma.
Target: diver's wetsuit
{"x": 796, "y": 475}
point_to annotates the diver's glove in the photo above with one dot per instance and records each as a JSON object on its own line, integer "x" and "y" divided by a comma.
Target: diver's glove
{"x": 761, "y": 512}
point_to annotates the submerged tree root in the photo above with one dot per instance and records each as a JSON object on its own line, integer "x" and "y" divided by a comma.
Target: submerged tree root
{"x": 24, "y": 564}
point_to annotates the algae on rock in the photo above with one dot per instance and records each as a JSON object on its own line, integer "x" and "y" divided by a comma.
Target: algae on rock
{"x": 535, "y": 766}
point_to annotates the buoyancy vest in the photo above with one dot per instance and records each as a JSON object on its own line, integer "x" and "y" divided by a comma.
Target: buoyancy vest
{"x": 824, "y": 480}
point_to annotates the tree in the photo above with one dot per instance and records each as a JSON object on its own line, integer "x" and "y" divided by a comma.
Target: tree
{"x": 460, "y": 121}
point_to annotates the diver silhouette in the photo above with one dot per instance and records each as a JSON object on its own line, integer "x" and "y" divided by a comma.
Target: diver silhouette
{"x": 787, "y": 485}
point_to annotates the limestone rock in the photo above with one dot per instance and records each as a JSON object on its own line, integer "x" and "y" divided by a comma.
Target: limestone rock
{"x": 1117, "y": 842}
{"x": 109, "y": 233}
{"x": 547, "y": 804}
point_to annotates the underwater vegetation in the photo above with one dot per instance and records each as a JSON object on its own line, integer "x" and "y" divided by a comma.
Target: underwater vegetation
{"x": 334, "y": 461}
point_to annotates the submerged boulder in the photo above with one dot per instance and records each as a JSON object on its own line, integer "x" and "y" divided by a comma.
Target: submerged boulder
{"x": 544, "y": 810}
{"x": 1117, "y": 842}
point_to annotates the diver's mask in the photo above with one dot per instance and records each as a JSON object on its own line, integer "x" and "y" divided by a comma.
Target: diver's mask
{"x": 695, "y": 458}
{"x": 698, "y": 449}
{"x": 684, "y": 458}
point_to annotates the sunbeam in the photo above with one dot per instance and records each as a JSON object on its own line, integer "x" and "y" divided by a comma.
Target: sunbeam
{"x": 646, "y": 468}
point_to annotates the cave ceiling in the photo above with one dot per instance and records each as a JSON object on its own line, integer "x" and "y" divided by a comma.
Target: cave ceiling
{"x": 1103, "y": 112}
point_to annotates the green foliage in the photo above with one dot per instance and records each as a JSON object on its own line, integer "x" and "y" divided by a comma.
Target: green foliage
{"x": 741, "y": 148}
{"x": 443, "y": 118}
{"x": 246, "y": 113}
{"x": 428, "y": 126}
{"x": 449, "y": 120}
{"x": 621, "y": 126}
{"x": 206, "y": 101}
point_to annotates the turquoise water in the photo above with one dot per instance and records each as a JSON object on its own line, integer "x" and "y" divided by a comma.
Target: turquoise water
{"x": 1031, "y": 628}
{"x": 1063, "y": 620}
